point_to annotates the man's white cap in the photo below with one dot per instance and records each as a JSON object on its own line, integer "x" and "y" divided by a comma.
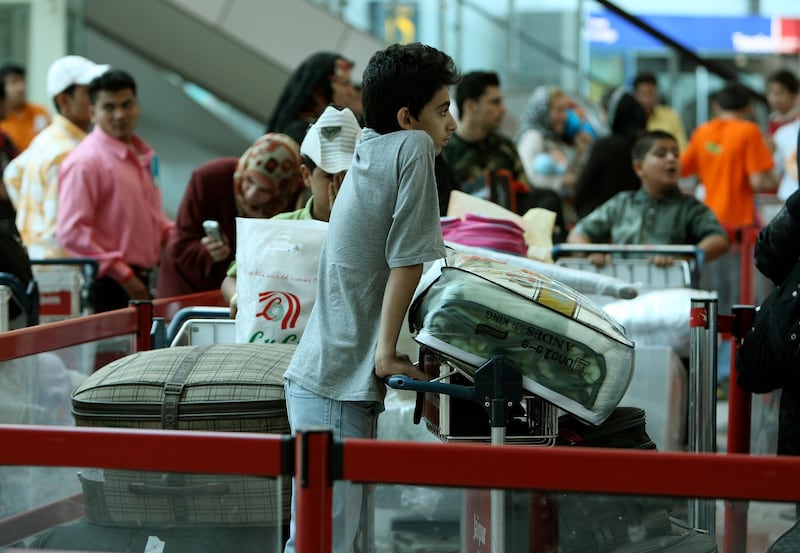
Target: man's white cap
{"x": 70, "y": 70}
{"x": 331, "y": 140}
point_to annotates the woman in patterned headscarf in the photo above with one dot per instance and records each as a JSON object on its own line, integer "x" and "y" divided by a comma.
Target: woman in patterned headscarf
{"x": 265, "y": 181}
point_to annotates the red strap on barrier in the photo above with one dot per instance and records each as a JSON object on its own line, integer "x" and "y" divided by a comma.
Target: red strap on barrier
{"x": 725, "y": 323}
{"x": 698, "y": 317}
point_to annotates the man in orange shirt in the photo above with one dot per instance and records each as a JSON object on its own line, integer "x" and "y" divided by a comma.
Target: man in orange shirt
{"x": 731, "y": 159}
{"x": 23, "y": 119}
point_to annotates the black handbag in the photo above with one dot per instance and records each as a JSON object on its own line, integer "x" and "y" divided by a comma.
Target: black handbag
{"x": 769, "y": 355}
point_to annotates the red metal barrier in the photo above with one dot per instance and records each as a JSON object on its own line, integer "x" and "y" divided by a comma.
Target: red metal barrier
{"x": 733, "y": 476}
{"x": 135, "y": 320}
{"x": 70, "y": 332}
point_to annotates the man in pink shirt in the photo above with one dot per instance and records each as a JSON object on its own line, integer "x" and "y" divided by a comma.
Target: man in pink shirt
{"x": 109, "y": 207}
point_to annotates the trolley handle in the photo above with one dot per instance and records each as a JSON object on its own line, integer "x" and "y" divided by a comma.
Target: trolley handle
{"x": 403, "y": 382}
{"x": 561, "y": 250}
{"x": 692, "y": 251}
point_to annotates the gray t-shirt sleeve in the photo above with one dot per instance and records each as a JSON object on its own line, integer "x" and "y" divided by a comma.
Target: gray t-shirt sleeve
{"x": 415, "y": 234}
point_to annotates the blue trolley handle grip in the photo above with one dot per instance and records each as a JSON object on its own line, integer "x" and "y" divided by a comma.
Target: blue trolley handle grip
{"x": 403, "y": 382}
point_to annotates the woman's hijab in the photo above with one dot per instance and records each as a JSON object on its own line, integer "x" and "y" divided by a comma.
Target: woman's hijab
{"x": 536, "y": 113}
{"x": 273, "y": 162}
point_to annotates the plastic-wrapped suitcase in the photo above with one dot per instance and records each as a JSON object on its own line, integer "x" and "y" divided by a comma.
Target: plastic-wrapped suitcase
{"x": 222, "y": 387}
{"x": 568, "y": 350}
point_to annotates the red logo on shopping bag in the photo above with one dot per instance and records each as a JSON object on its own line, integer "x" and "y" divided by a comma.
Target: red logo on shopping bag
{"x": 281, "y": 306}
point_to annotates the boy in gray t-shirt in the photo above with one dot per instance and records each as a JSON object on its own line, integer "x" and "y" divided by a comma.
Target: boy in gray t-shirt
{"x": 383, "y": 227}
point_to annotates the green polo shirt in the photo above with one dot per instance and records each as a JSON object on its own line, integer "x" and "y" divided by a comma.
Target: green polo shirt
{"x": 634, "y": 217}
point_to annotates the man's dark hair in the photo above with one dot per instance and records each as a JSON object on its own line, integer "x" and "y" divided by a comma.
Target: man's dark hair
{"x": 403, "y": 76}
{"x": 733, "y": 97}
{"x": 645, "y": 141}
{"x": 786, "y": 79}
{"x": 473, "y": 85}
{"x": 112, "y": 80}
{"x": 644, "y": 77}
{"x": 11, "y": 69}
{"x": 69, "y": 91}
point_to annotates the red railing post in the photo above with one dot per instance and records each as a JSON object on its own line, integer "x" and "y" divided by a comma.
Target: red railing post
{"x": 144, "y": 320}
{"x": 739, "y": 405}
{"x": 313, "y": 500}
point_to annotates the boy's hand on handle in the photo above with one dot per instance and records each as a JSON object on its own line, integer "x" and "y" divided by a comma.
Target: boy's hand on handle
{"x": 399, "y": 363}
{"x": 662, "y": 260}
{"x": 599, "y": 259}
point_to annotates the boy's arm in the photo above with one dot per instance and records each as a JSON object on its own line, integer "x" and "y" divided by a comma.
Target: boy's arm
{"x": 713, "y": 246}
{"x": 396, "y": 299}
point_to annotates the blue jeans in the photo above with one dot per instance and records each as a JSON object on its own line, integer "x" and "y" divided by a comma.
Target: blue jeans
{"x": 347, "y": 419}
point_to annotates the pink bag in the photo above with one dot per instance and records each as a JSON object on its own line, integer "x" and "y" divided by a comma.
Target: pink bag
{"x": 485, "y": 232}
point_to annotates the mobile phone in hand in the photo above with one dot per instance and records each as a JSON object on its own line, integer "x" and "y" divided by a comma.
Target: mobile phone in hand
{"x": 211, "y": 229}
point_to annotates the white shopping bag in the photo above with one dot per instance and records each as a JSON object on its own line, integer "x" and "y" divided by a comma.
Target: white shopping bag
{"x": 276, "y": 277}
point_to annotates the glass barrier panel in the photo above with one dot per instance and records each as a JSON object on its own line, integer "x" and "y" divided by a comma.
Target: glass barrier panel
{"x": 405, "y": 519}
{"x": 115, "y": 510}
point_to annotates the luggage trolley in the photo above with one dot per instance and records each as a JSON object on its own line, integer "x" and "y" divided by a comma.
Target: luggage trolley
{"x": 514, "y": 416}
{"x": 665, "y": 401}
{"x": 507, "y": 345}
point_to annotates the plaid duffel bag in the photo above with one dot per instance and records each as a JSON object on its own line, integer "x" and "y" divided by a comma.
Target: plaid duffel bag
{"x": 222, "y": 387}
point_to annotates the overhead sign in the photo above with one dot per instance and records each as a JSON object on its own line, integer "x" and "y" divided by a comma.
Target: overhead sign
{"x": 750, "y": 34}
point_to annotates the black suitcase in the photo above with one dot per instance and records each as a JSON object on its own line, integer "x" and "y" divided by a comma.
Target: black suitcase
{"x": 600, "y": 523}
{"x": 230, "y": 388}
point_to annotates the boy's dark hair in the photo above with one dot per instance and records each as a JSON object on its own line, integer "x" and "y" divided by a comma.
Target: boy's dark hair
{"x": 644, "y": 77}
{"x": 473, "y": 85}
{"x": 786, "y": 79}
{"x": 309, "y": 163}
{"x": 112, "y": 80}
{"x": 11, "y": 69}
{"x": 733, "y": 97}
{"x": 403, "y": 76}
{"x": 646, "y": 140}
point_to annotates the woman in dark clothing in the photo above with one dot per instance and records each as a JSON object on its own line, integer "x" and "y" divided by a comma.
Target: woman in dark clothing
{"x": 323, "y": 78}
{"x": 609, "y": 167}
{"x": 776, "y": 252}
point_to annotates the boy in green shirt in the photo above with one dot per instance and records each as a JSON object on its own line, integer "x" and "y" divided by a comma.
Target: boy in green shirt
{"x": 657, "y": 213}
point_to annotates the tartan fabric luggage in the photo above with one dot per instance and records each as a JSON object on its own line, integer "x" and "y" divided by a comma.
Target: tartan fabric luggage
{"x": 222, "y": 387}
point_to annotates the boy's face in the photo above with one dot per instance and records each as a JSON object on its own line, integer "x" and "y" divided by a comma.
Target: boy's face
{"x": 436, "y": 119}
{"x": 660, "y": 169}
{"x": 324, "y": 187}
{"x": 779, "y": 98}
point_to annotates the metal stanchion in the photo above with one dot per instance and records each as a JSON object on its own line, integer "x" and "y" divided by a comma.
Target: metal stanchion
{"x": 702, "y": 397}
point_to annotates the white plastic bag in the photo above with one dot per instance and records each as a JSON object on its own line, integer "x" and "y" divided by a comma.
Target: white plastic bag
{"x": 276, "y": 277}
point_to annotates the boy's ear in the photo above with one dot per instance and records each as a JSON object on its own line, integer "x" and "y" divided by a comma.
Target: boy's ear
{"x": 637, "y": 167}
{"x": 306, "y": 174}
{"x": 404, "y": 118}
